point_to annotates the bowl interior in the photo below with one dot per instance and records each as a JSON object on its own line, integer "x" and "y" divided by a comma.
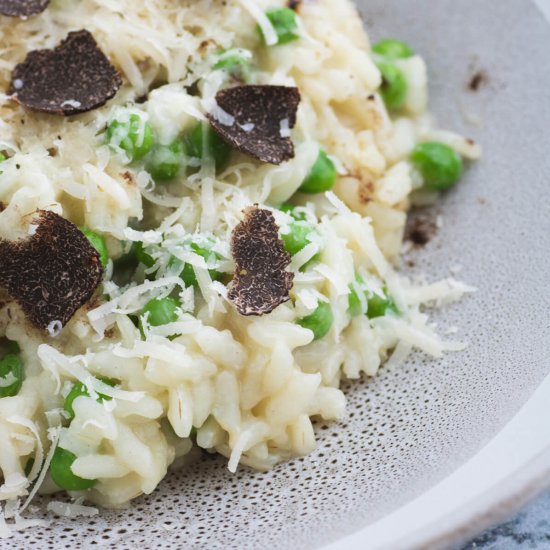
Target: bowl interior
{"x": 408, "y": 428}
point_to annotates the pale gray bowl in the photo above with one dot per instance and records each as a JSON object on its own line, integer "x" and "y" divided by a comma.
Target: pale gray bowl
{"x": 411, "y": 428}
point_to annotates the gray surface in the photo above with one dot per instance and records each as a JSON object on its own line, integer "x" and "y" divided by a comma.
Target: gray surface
{"x": 528, "y": 530}
{"x": 409, "y": 428}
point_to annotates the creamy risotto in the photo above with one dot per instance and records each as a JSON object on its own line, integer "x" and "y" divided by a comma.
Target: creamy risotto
{"x": 203, "y": 205}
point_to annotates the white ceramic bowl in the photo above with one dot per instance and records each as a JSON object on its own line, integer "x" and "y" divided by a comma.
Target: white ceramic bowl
{"x": 436, "y": 450}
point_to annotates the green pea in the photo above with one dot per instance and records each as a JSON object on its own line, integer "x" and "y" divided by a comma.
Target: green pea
{"x": 2, "y": 157}
{"x": 217, "y": 148}
{"x": 321, "y": 177}
{"x": 161, "y": 311}
{"x": 11, "y": 373}
{"x": 80, "y": 389}
{"x": 392, "y": 49}
{"x": 62, "y": 474}
{"x": 290, "y": 209}
{"x": 98, "y": 242}
{"x": 320, "y": 321}
{"x": 439, "y": 165}
{"x": 377, "y": 306}
{"x": 285, "y": 23}
{"x": 298, "y": 237}
{"x": 235, "y": 65}
{"x": 394, "y": 85}
{"x": 125, "y": 266}
{"x": 166, "y": 161}
{"x": 188, "y": 276}
{"x": 134, "y": 135}
{"x": 142, "y": 256}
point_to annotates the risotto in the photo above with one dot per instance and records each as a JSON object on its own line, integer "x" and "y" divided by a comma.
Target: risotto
{"x": 203, "y": 206}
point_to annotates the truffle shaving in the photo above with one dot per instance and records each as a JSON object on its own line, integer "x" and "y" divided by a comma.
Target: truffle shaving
{"x": 261, "y": 281}
{"x": 22, "y": 8}
{"x": 51, "y": 273}
{"x": 73, "y": 78}
{"x": 257, "y": 114}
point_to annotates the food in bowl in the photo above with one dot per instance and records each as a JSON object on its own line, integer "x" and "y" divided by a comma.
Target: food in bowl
{"x": 203, "y": 210}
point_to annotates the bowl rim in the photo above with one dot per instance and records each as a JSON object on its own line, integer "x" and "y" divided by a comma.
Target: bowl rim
{"x": 500, "y": 489}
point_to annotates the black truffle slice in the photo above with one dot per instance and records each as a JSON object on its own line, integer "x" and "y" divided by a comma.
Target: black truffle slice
{"x": 263, "y": 117}
{"x": 51, "y": 273}
{"x": 261, "y": 281}
{"x": 73, "y": 78}
{"x": 22, "y": 8}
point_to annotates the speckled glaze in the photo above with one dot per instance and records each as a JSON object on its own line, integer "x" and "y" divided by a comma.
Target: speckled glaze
{"x": 410, "y": 429}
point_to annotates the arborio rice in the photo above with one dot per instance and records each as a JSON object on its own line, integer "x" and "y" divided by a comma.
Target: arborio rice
{"x": 124, "y": 392}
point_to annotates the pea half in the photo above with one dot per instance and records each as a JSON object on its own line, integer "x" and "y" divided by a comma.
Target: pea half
{"x": 165, "y": 162}
{"x": 142, "y": 256}
{"x": 394, "y": 85}
{"x": 377, "y": 305}
{"x": 321, "y": 177}
{"x": 188, "y": 276}
{"x": 133, "y": 135}
{"x": 11, "y": 375}
{"x": 216, "y": 147}
{"x": 284, "y": 21}
{"x": 235, "y": 65}
{"x": 80, "y": 389}
{"x": 298, "y": 238}
{"x": 62, "y": 474}
{"x": 439, "y": 165}
{"x": 161, "y": 311}
{"x": 319, "y": 322}
{"x": 98, "y": 242}
{"x": 392, "y": 49}
{"x": 290, "y": 209}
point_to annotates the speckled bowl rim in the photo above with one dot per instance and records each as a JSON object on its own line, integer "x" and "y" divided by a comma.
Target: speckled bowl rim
{"x": 421, "y": 525}
{"x": 495, "y": 499}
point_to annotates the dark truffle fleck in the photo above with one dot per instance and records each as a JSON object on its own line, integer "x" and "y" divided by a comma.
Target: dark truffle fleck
{"x": 261, "y": 282}
{"x": 294, "y": 4}
{"x": 51, "y": 273}
{"x": 421, "y": 226}
{"x": 263, "y": 116}
{"x": 73, "y": 78}
{"x": 478, "y": 80}
{"x": 22, "y": 8}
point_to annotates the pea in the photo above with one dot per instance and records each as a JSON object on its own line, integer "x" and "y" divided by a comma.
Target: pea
{"x": 134, "y": 135}
{"x": 392, "y": 49}
{"x": 321, "y": 177}
{"x": 394, "y": 85}
{"x": 125, "y": 266}
{"x": 11, "y": 373}
{"x": 161, "y": 311}
{"x": 285, "y": 23}
{"x": 320, "y": 321}
{"x": 298, "y": 237}
{"x": 2, "y": 157}
{"x": 290, "y": 209}
{"x": 217, "y": 148}
{"x": 79, "y": 389}
{"x": 98, "y": 242}
{"x": 439, "y": 165}
{"x": 142, "y": 256}
{"x": 165, "y": 161}
{"x": 235, "y": 65}
{"x": 377, "y": 306}
{"x": 62, "y": 474}
{"x": 188, "y": 273}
